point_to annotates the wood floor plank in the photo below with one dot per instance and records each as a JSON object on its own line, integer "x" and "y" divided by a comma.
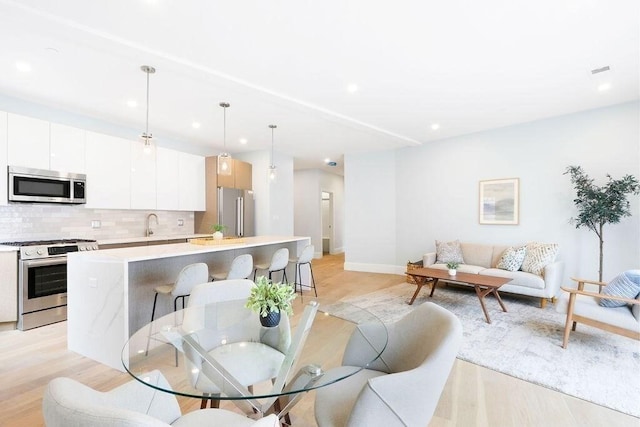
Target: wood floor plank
{"x": 473, "y": 396}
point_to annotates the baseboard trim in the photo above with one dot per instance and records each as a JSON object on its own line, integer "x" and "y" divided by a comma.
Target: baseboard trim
{"x": 374, "y": 268}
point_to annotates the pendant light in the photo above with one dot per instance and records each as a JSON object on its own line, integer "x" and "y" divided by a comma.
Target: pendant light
{"x": 272, "y": 173}
{"x": 146, "y": 137}
{"x": 224, "y": 159}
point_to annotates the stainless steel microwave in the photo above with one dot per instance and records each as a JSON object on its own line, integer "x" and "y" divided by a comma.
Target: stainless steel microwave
{"x": 28, "y": 185}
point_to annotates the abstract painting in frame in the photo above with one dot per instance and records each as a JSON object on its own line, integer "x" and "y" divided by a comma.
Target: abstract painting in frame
{"x": 499, "y": 200}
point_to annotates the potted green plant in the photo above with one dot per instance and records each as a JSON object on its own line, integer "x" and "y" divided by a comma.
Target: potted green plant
{"x": 269, "y": 299}
{"x": 598, "y": 206}
{"x": 218, "y": 229}
{"x": 452, "y": 266}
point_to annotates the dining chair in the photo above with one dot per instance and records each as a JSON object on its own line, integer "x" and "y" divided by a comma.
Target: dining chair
{"x": 279, "y": 262}
{"x": 304, "y": 259}
{"x": 241, "y": 268}
{"x": 66, "y": 402}
{"x": 271, "y": 344}
{"x": 402, "y": 387}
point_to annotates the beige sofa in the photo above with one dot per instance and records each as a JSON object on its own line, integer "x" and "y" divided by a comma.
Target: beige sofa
{"x": 482, "y": 259}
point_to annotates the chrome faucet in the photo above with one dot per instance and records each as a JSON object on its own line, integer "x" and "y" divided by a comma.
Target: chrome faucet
{"x": 149, "y": 231}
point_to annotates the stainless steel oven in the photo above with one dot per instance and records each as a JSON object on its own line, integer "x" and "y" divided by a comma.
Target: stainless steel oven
{"x": 42, "y": 280}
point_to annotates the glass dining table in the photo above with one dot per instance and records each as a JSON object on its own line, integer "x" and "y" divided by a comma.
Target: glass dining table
{"x": 222, "y": 343}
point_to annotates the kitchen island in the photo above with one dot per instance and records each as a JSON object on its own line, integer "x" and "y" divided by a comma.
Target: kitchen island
{"x": 110, "y": 292}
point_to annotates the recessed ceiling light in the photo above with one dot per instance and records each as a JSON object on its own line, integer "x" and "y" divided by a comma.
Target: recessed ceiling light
{"x": 51, "y": 50}
{"x": 132, "y": 103}
{"x": 22, "y": 66}
{"x": 352, "y": 88}
{"x": 243, "y": 141}
{"x": 195, "y": 125}
{"x": 604, "y": 87}
{"x": 327, "y": 160}
{"x": 435, "y": 126}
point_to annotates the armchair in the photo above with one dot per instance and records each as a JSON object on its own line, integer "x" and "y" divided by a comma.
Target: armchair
{"x": 67, "y": 402}
{"x": 403, "y": 386}
{"x": 582, "y": 306}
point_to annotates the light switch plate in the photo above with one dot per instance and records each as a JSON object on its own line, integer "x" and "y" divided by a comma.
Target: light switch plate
{"x": 96, "y": 223}
{"x": 180, "y": 222}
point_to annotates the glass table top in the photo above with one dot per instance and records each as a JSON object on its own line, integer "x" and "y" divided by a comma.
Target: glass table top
{"x": 221, "y": 351}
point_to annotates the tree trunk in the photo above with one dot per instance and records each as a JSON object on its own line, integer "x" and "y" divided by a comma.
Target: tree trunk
{"x": 601, "y": 245}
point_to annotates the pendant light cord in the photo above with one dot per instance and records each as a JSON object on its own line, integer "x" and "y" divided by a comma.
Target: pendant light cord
{"x": 147, "y": 129}
{"x": 272, "y": 128}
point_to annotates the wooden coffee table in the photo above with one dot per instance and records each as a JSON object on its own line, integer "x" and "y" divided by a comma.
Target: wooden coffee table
{"x": 482, "y": 283}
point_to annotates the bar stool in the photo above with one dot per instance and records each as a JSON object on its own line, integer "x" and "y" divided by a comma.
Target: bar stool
{"x": 304, "y": 259}
{"x": 241, "y": 268}
{"x": 279, "y": 262}
{"x": 189, "y": 276}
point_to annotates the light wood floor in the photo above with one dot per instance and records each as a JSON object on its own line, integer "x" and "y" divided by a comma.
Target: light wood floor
{"x": 474, "y": 396}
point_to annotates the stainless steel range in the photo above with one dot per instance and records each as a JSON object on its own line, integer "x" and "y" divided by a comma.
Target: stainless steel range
{"x": 42, "y": 279}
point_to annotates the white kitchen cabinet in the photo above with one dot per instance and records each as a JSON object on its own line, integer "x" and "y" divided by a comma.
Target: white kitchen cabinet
{"x": 28, "y": 142}
{"x": 108, "y": 165}
{"x": 66, "y": 149}
{"x": 143, "y": 176}
{"x": 167, "y": 185}
{"x": 191, "y": 182}
{"x": 8, "y": 286}
{"x": 3, "y": 158}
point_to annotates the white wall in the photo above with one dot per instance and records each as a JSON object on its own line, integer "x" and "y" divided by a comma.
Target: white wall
{"x": 435, "y": 191}
{"x": 308, "y": 187}
{"x": 370, "y": 212}
{"x": 273, "y": 201}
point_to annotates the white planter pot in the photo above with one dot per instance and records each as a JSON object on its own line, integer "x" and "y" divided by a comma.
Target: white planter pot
{"x": 452, "y": 272}
{"x": 218, "y": 235}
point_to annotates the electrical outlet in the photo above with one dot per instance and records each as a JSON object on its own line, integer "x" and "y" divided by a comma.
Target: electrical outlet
{"x": 96, "y": 224}
{"x": 180, "y": 222}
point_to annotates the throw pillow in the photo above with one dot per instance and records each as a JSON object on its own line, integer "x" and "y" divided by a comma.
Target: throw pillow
{"x": 448, "y": 252}
{"x": 538, "y": 256}
{"x": 512, "y": 258}
{"x": 625, "y": 285}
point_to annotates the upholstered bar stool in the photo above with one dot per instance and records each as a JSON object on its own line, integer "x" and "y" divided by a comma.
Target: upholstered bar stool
{"x": 241, "y": 268}
{"x": 304, "y": 259}
{"x": 189, "y": 276}
{"x": 279, "y": 262}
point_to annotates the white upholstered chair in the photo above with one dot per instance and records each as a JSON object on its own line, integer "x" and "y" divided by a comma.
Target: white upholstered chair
{"x": 402, "y": 387}
{"x": 68, "y": 403}
{"x": 188, "y": 277}
{"x": 271, "y": 343}
{"x": 279, "y": 261}
{"x": 582, "y": 306}
{"x": 241, "y": 268}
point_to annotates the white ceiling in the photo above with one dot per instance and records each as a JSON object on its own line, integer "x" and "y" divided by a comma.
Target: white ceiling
{"x": 466, "y": 65}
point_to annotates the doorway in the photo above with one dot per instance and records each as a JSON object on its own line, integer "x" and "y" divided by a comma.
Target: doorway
{"x": 327, "y": 222}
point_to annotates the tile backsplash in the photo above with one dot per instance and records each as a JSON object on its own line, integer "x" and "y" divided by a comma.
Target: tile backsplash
{"x": 37, "y": 222}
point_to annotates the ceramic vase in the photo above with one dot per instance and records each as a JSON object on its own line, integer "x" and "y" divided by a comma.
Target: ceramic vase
{"x": 218, "y": 235}
{"x": 452, "y": 272}
{"x": 272, "y": 319}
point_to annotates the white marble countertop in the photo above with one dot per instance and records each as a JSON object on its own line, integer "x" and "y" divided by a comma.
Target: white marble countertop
{"x": 153, "y": 238}
{"x": 4, "y": 248}
{"x": 143, "y": 253}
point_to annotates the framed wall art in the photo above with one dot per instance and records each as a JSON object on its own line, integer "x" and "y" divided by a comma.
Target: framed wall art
{"x": 499, "y": 200}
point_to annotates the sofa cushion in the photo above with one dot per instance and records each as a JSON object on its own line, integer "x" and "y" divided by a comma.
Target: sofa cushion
{"x": 449, "y": 252}
{"x": 512, "y": 258}
{"x": 625, "y": 285}
{"x": 538, "y": 256}
{"x": 462, "y": 268}
{"x": 520, "y": 278}
{"x": 477, "y": 254}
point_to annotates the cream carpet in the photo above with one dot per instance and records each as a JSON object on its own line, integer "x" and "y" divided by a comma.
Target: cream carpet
{"x": 526, "y": 343}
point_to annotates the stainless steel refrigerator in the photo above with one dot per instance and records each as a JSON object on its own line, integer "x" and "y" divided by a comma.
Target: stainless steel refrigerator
{"x": 236, "y": 212}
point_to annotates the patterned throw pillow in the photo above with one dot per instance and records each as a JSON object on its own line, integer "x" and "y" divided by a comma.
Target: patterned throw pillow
{"x": 512, "y": 258}
{"x": 625, "y": 285}
{"x": 538, "y": 256}
{"x": 448, "y": 252}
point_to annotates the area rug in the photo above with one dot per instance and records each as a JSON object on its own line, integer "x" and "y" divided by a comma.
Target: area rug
{"x": 526, "y": 343}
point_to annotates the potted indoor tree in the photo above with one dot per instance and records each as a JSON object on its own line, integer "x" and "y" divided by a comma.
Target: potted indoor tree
{"x": 452, "y": 266}
{"x": 269, "y": 299}
{"x": 218, "y": 229}
{"x": 597, "y": 205}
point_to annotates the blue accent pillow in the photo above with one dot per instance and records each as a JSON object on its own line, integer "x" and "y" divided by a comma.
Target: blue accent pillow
{"x": 625, "y": 285}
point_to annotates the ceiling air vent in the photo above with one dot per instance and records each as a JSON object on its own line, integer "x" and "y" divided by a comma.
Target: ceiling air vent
{"x": 600, "y": 70}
